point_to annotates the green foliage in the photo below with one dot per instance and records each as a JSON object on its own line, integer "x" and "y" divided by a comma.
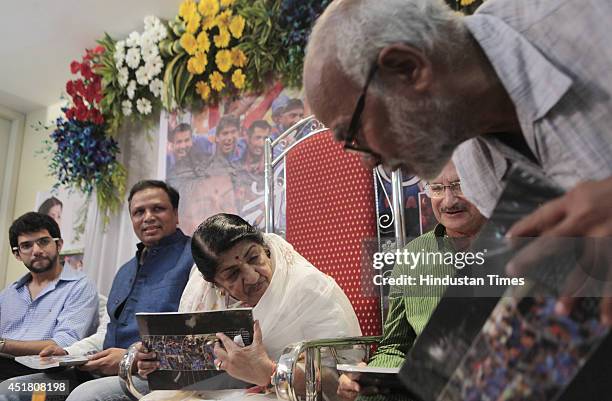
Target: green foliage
{"x": 262, "y": 43}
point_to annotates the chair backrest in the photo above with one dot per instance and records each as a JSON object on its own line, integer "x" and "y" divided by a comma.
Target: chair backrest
{"x": 331, "y": 220}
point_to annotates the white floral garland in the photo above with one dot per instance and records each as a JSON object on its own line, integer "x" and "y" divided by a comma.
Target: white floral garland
{"x": 140, "y": 65}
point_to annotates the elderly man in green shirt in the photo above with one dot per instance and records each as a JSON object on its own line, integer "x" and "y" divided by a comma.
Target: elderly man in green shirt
{"x": 410, "y": 307}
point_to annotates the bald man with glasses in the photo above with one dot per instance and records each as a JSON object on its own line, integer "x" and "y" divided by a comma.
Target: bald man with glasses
{"x": 50, "y": 305}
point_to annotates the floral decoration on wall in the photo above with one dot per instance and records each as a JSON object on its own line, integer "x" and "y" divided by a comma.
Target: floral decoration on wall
{"x": 212, "y": 50}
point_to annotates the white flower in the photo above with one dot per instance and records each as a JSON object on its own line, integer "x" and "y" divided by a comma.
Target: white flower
{"x": 150, "y": 22}
{"x": 131, "y": 89}
{"x": 133, "y": 40}
{"x": 126, "y": 107}
{"x": 119, "y": 54}
{"x": 160, "y": 33}
{"x": 141, "y": 76}
{"x": 156, "y": 86}
{"x": 147, "y": 40}
{"x": 123, "y": 76}
{"x": 133, "y": 58}
{"x": 149, "y": 52}
{"x": 143, "y": 106}
{"x": 154, "y": 67}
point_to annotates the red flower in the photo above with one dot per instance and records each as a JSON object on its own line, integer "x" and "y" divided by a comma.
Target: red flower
{"x": 70, "y": 113}
{"x": 81, "y": 113}
{"x": 75, "y": 66}
{"x": 86, "y": 71}
{"x": 78, "y": 101}
{"x": 98, "y": 49}
{"x": 80, "y": 86}
{"x": 96, "y": 116}
{"x": 70, "y": 89}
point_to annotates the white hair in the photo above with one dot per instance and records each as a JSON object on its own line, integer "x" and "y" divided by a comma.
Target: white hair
{"x": 360, "y": 29}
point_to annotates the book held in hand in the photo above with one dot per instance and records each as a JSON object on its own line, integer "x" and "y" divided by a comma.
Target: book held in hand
{"x": 47, "y": 362}
{"x": 184, "y": 344}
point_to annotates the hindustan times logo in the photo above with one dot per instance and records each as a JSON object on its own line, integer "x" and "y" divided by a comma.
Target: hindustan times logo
{"x": 414, "y": 259}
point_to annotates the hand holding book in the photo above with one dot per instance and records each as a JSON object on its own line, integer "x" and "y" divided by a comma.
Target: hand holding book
{"x": 146, "y": 361}
{"x": 250, "y": 363}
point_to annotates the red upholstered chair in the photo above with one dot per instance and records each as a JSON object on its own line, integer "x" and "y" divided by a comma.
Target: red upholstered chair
{"x": 331, "y": 219}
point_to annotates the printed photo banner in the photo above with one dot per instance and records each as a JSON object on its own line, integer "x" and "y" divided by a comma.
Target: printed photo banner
{"x": 68, "y": 209}
{"x": 214, "y": 156}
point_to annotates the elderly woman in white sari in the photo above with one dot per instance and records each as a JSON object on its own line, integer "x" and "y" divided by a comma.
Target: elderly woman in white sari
{"x": 292, "y": 301}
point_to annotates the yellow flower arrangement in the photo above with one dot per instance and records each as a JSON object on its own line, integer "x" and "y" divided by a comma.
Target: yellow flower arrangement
{"x": 193, "y": 23}
{"x": 223, "y": 59}
{"x": 189, "y": 43}
{"x": 208, "y": 7}
{"x": 208, "y": 23}
{"x": 237, "y": 26}
{"x": 223, "y": 19}
{"x": 238, "y": 79}
{"x": 208, "y": 64}
{"x": 222, "y": 39}
{"x": 203, "y": 89}
{"x": 203, "y": 41}
{"x": 198, "y": 63}
{"x": 238, "y": 57}
{"x": 216, "y": 81}
{"x": 186, "y": 9}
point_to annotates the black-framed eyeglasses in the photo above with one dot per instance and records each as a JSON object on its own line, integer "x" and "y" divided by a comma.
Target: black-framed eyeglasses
{"x": 26, "y": 246}
{"x": 350, "y": 141}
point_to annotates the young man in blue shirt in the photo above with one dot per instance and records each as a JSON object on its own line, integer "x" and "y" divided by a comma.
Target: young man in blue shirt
{"x": 50, "y": 305}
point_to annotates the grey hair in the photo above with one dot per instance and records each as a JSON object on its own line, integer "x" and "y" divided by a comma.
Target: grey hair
{"x": 359, "y": 29}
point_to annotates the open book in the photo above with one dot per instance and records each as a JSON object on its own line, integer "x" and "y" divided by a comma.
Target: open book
{"x": 184, "y": 344}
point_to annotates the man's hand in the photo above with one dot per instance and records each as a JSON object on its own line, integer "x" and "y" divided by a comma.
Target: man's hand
{"x": 581, "y": 212}
{"x": 145, "y": 361}
{"x": 105, "y": 362}
{"x": 250, "y": 363}
{"x": 52, "y": 350}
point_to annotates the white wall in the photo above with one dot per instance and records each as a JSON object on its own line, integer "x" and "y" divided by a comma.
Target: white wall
{"x": 5, "y": 132}
{"x": 32, "y": 176}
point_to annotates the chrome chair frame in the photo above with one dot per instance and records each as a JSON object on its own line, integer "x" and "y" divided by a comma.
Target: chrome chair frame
{"x": 270, "y": 162}
{"x": 284, "y": 377}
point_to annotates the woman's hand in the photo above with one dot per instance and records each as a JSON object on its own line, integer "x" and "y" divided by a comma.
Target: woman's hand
{"x": 250, "y": 364}
{"x": 145, "y": 361}
{"x": 348, "y": 388}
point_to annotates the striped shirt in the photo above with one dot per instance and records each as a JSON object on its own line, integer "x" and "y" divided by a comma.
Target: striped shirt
{"x": 65, "y": 311}
{"x": 554, "y": 59}
{"x": 410, "y": 307}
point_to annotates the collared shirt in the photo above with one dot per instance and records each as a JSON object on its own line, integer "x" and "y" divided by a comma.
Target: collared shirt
{"x": 554, "y": 59}
{"x": 65, "y": 311}
{"x": 411, "y": 307}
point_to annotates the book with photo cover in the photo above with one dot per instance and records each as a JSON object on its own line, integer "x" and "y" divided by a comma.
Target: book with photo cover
{"x": 385, "y": 380}
{"x": 501, "y": 342}
{"x": 184, "y": 344}
{"x": 47, "y": 362}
